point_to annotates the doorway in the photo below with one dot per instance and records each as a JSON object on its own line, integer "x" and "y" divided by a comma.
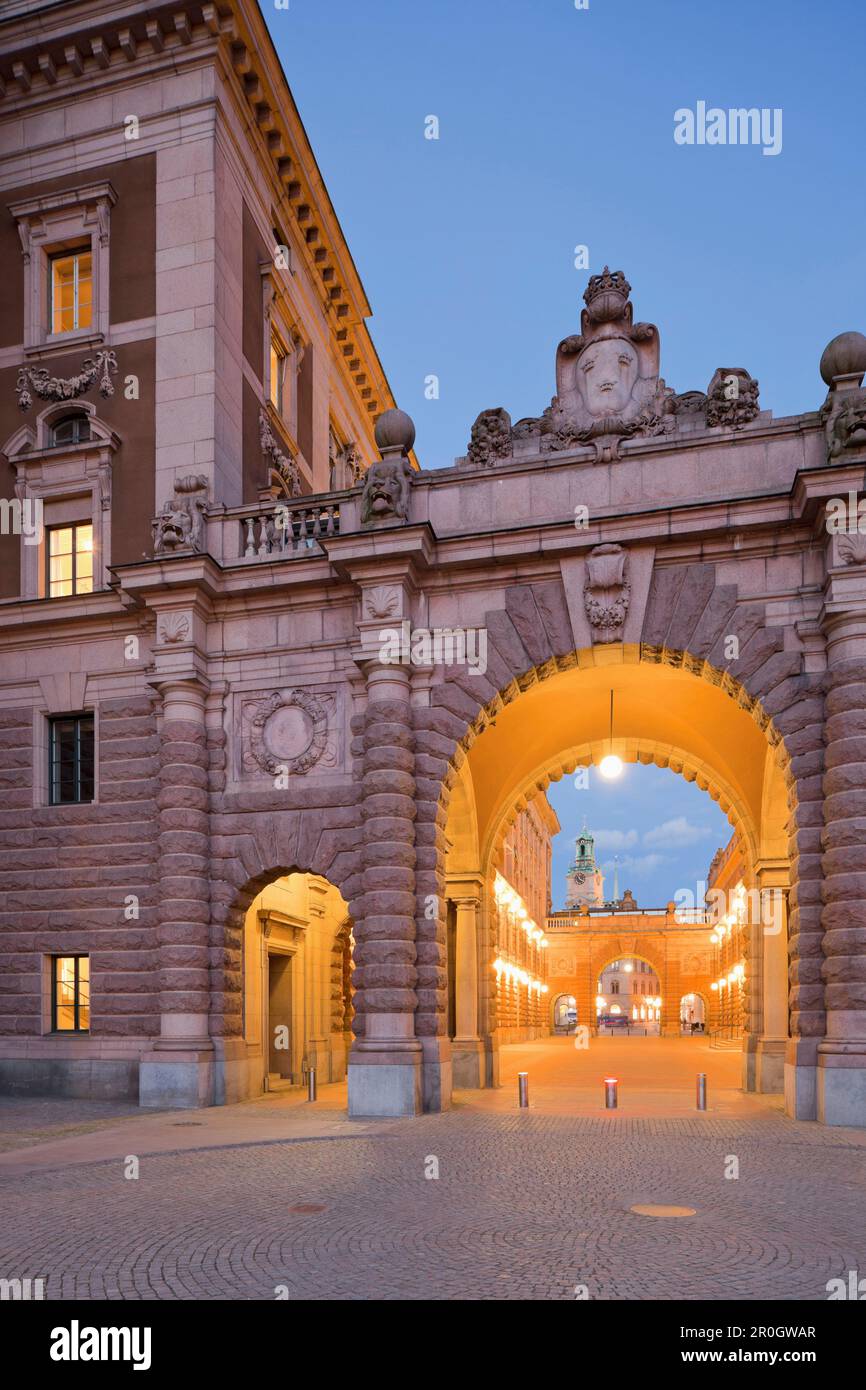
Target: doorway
{"x": 280, "y": 1040}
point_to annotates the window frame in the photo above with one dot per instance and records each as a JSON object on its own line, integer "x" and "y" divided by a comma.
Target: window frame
{"x": 81, "y": 421}
{"x": 53, "y": 721}
{"x": 73, "y": 253}
{"x": 74, "y": 527}
{"x": 76, "y": 1005}
{"x": 277, "y": 349}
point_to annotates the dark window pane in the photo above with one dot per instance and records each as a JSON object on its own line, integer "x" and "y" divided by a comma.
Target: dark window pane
{"x": 71, "y": 760}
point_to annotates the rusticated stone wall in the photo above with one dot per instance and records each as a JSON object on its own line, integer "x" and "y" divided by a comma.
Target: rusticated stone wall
{"x": 843, "y": 918}
{"x": 74, "y": 877}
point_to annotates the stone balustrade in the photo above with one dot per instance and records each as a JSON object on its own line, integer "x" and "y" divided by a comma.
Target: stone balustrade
{"x": 288, "y": 529}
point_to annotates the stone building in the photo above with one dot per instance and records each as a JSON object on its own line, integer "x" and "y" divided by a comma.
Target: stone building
{"x": 613, "y": 962}
{"x": 243, "y": 637}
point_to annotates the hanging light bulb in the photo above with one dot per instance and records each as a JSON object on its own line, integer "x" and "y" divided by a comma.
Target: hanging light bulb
{"x": 610, "y": 765}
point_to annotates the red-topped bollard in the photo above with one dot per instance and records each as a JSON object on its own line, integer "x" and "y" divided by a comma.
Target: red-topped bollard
{"x": 611, "y": 1086}
{"x": 523, "y": 1089}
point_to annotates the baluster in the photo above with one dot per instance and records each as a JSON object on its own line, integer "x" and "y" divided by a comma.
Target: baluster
{"x": 250, "y": 550}
{"x": 302, "y": 528}
{"x": 263, "y": 537}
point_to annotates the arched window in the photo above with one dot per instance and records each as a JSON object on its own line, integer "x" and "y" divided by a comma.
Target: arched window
{"x": 71, "y": 429}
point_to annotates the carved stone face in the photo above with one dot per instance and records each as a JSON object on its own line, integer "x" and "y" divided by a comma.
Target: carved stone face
{"x": 607, "y": 372}
{"x": 384, "y": 489}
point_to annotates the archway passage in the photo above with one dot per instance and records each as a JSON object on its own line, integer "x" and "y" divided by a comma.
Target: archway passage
{"x": 565, "y": 1015}
{"x": 296, "y": 987}
{"x": 667, "y": 714}
{"x": 693, "y": 1013}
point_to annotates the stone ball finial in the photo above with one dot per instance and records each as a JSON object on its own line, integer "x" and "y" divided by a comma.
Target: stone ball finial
{"x": 395, "y": 430}
{"x": 844, "y": 355}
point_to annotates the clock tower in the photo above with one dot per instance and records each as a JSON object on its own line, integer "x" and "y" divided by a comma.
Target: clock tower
{"x": 584, "y": 882}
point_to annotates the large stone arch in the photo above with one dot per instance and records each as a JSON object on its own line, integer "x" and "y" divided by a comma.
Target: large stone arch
{"x": 688, "y": 622}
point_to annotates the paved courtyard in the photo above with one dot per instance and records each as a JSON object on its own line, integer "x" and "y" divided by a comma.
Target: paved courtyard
{"x": 276, "y": 1194}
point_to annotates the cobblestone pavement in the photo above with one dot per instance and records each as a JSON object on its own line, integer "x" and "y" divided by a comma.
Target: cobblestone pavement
{"x": 29, "y": 1120}
{"x": 527, "y": 1205}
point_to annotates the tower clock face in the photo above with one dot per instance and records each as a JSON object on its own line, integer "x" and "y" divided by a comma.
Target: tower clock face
{"x": 581, "y": 878}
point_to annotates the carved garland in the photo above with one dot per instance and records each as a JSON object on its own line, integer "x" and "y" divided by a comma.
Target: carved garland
{"x": 100, "y": 368}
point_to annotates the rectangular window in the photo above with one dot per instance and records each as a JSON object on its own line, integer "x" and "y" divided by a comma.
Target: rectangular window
{"x": 71, "y": 291}
{"x": 71, "y": 759}
{"x": 70, "y": 994}
{"x": 278, "y": 375}
{"x": 70, "y": 559}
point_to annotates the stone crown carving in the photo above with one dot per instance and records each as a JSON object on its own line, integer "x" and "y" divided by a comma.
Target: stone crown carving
{"x": 608, "y": 389}
{"x": 179, "y": 527}
{"x": 38, "y": 381}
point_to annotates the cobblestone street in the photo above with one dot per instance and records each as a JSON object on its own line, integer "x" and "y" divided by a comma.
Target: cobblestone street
{"x": 529, "y": 1204}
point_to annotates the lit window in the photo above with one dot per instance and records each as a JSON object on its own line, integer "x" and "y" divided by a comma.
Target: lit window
{"x": 72, "y": 429}
{"x": 70, "y": 559}
{"x": 70, "y": 1002}
{"x": 278, "y": 375}
{"x": 71, "y": 759}
{"x": 71, "y": 291}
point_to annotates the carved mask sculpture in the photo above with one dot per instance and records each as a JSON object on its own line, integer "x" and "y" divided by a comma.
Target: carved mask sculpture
{"x": 180, "y": 525}
{"x": 386, "y": 491}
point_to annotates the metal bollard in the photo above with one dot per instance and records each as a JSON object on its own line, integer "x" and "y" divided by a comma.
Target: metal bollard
{"x": 523, "y": 1089}
{"x": 701, "y": 1095}
{"x": 311, "y": 1084}
{"x": 610, "y": 1092}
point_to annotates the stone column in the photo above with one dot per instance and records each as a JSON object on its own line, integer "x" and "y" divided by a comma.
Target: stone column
{"x": 178, "y": 1071}
{"x": 771, "y": 959}
{"x": 467, "y": 1052}
{"x": 385, "y": 1063}
{"x": 841, "y": 1070}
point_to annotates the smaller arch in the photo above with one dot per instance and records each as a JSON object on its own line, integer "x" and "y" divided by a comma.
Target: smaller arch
{"x": 564, "y": 1014}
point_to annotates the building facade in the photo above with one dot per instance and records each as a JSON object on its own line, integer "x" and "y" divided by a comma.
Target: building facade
{"x": 224, "y": 661}
{"x": 629, "y": 964}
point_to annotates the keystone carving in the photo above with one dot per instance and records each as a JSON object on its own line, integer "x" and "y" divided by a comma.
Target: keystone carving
{"x": 179, "y": 527}
{"x": 37, "y": 381}
{"x": 606, "y": 592}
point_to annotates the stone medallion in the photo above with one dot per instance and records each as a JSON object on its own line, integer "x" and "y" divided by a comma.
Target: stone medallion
{"x": 287, "y": 731}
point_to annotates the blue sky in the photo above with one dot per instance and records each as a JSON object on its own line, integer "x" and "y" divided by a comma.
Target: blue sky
{"x": 556, "y": 130}
{"x": 664, "y": 830}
